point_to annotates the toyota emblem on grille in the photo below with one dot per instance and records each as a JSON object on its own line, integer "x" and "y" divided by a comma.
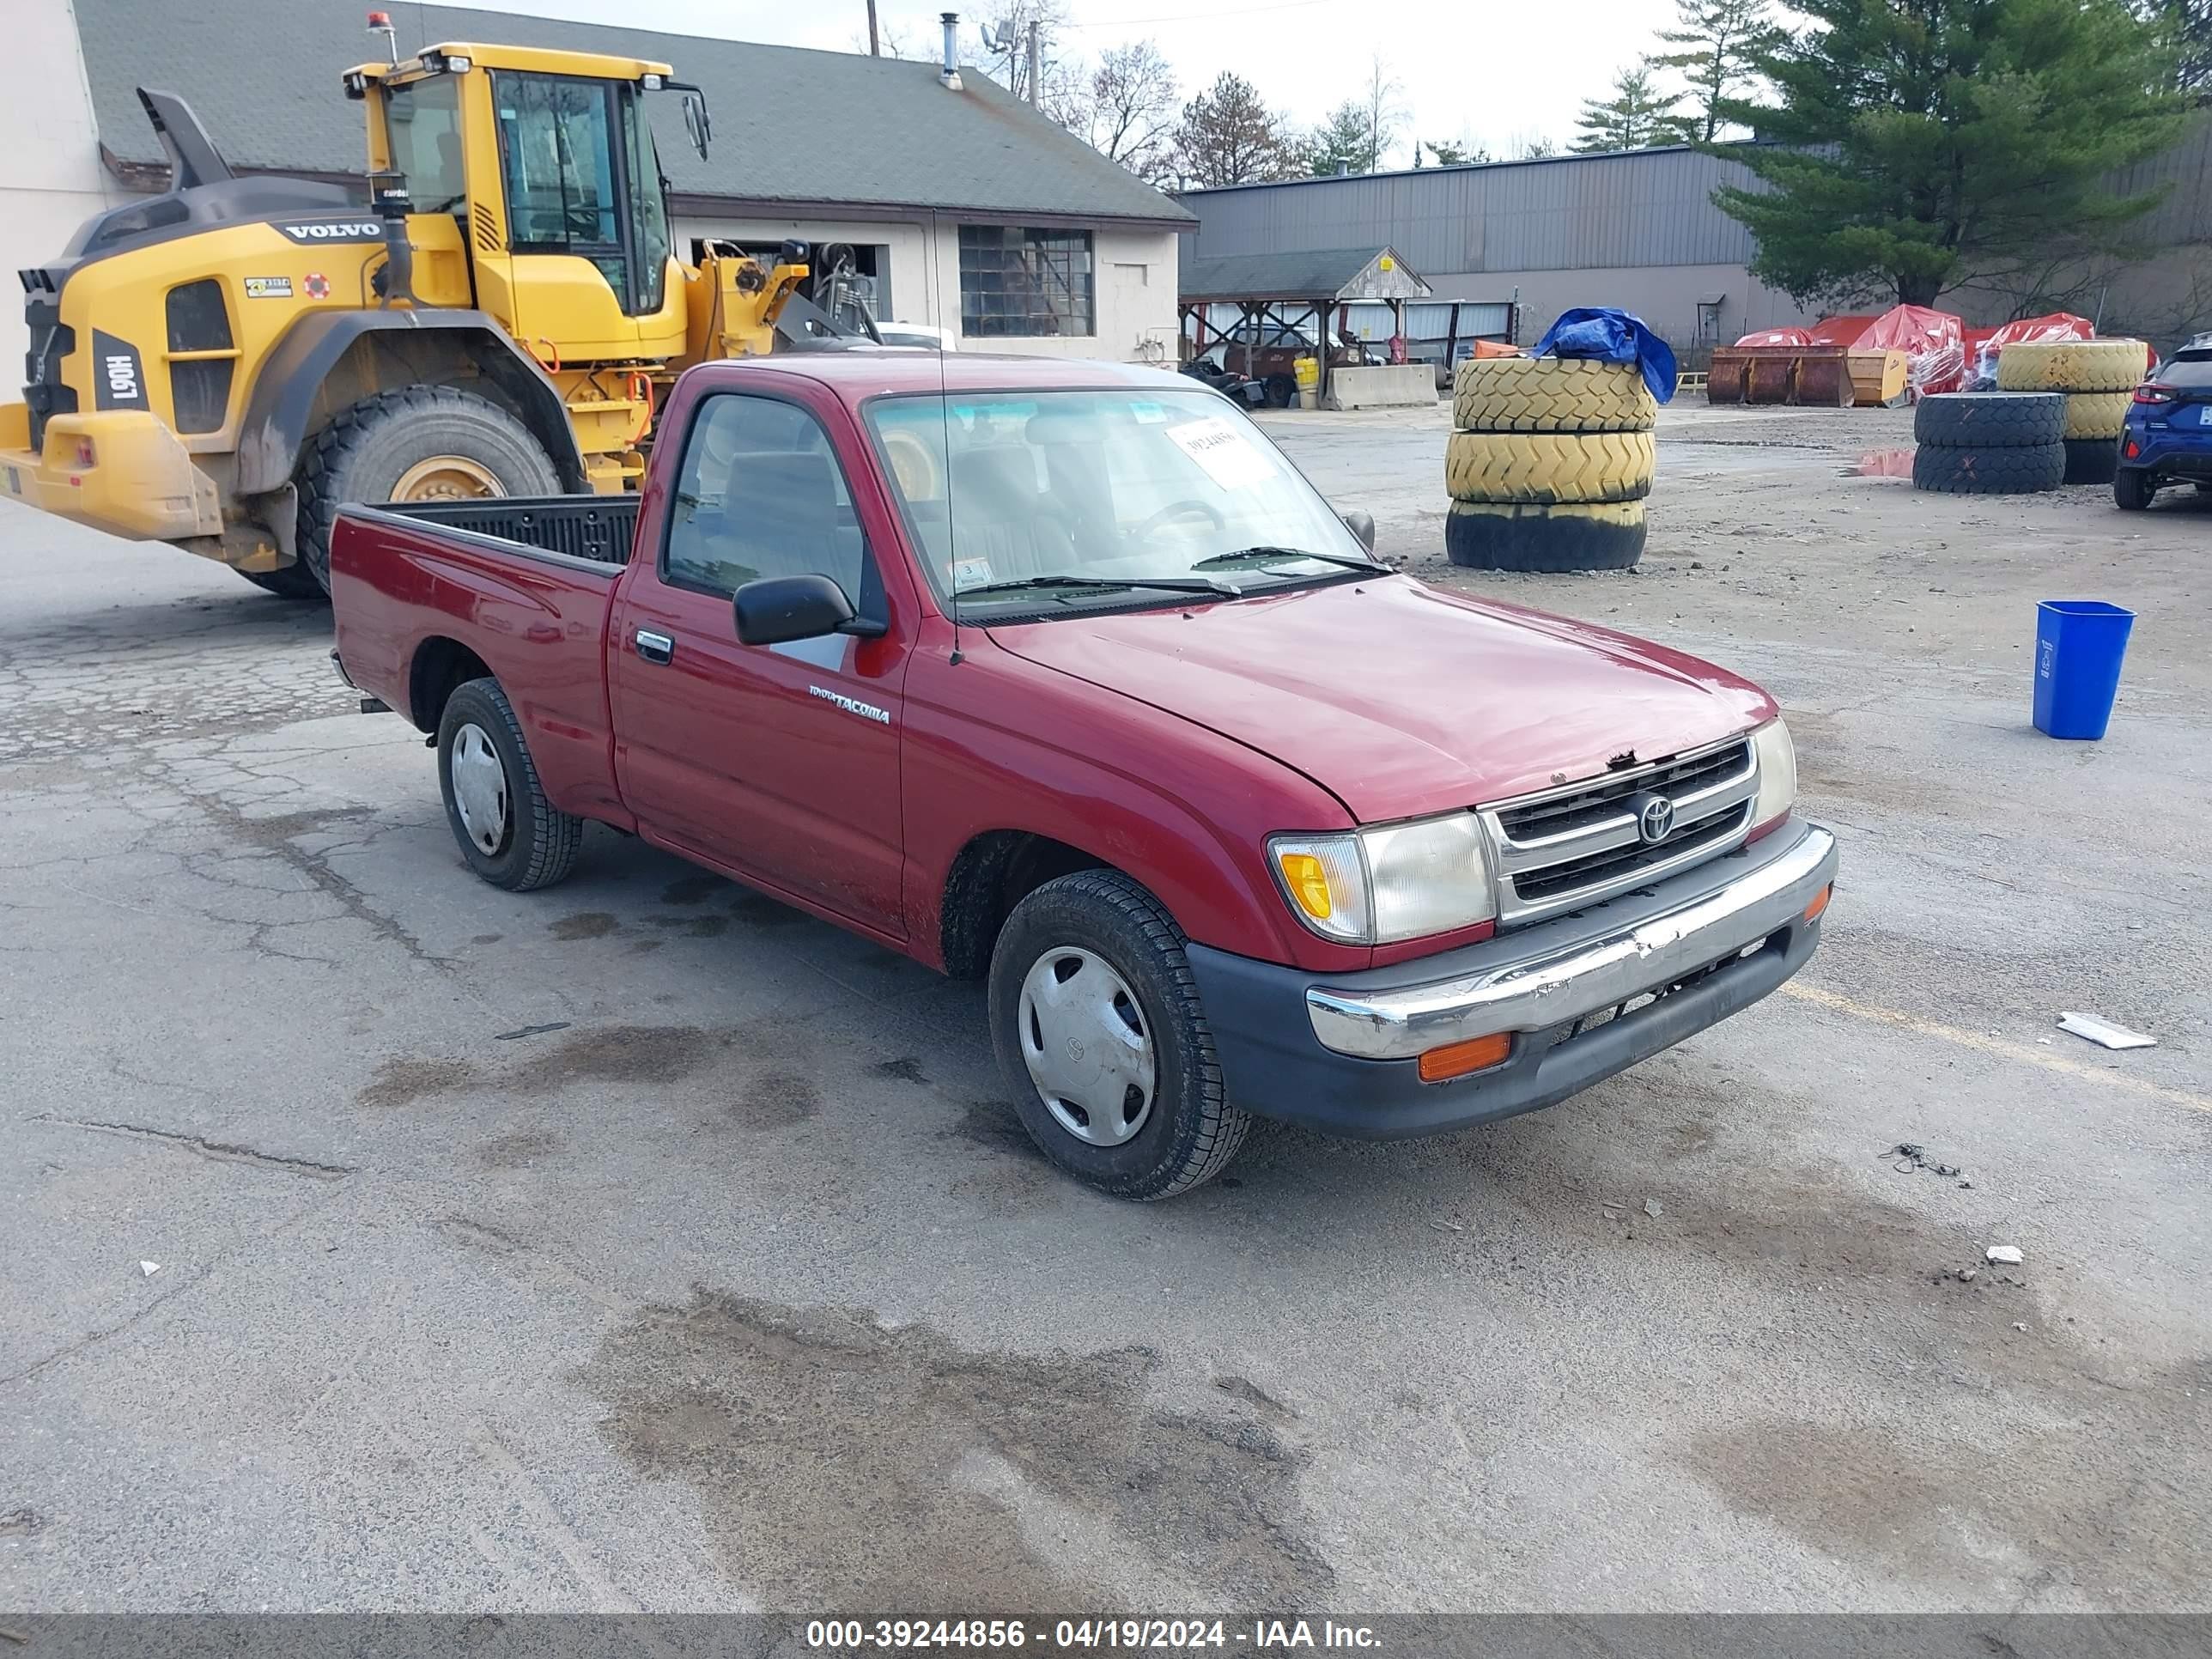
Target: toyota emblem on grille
{"x": 1655, "y": 819}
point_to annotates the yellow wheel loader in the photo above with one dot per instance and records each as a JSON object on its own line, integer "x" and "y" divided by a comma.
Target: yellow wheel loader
{"x": 221, "y": 366}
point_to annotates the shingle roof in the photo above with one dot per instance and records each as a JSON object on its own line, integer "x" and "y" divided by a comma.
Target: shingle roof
{"x": 790, "y": 124}
{"x": 1304, "y": 274}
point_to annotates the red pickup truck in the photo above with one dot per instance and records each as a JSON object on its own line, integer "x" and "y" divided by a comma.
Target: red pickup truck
{"x": 1058, "y": 675}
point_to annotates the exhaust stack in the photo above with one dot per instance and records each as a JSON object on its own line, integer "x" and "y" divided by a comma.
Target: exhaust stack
{"x": 949, "y": 73}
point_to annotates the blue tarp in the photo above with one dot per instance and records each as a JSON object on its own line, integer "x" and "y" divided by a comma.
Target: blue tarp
{"x": 1613, "y": 336}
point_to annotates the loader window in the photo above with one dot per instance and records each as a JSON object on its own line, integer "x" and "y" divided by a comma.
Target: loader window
{"x": 423, "y": 126}
{"x": 557, "y": 152}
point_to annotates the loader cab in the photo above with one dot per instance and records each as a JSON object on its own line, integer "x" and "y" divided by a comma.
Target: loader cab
{"x": 536, "y": 193}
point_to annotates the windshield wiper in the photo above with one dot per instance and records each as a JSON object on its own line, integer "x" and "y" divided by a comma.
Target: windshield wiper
{"x": 1201, "y": 585}
{"x": 1263, "y": 551}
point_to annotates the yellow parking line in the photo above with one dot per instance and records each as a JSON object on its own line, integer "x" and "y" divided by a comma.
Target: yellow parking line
{"x": 2025, "y": 1053}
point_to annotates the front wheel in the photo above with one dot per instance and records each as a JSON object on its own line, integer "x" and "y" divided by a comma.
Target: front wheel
{"x": 1099, "y": 1031}
{"x": 2132, "y": 489}
{"x": 511, "y": 834}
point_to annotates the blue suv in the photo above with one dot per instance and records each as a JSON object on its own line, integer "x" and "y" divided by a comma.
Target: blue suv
{"x": 2168, "y": 433}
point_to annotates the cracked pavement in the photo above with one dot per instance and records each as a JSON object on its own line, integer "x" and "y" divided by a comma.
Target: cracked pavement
{"x": 642, "y": 1244}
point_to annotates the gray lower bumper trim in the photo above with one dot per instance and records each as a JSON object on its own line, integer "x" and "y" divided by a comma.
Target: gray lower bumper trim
{"x": 1564, "y": 985}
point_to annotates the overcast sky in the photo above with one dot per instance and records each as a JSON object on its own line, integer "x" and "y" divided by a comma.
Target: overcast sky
{"x": 1494, "y": 72}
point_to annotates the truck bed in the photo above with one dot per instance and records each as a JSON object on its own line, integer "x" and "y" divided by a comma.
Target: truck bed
{"x": 428, "y": 596}
{"x": 597, "y": 527}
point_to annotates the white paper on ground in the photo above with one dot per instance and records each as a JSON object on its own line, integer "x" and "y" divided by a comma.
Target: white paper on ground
{"x": 2103, "y": 1031}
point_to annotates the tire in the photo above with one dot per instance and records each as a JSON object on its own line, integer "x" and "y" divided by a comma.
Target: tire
{"x": 1989, "y": 420}
{"x": 367, "y": 449}
{"x": 1540, "y": 468}
{"x": 2014, "y": 471}
{"x": 2133, "y": 488}
{"x": 293, "y": 582}
{"x": 1551, "y": 394}
{"x": 1584, "y": 535}
{"x": 2092, "y": 460}
{"x": 2097, "y": 414}
{"x": 2071, "y": 366}
{"x": 1187, "y": 1132}
{"x": 533, "y": 843}
{"x": 1282, "y": 391}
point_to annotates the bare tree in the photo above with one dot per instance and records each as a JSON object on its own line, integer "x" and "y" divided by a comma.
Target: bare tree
{"x": 1133, "y": 99}
{"x": 1530, "y": 146}
{"x": 1382, "y": 104}
{"x": 1004, "y": 42}
{"x": 1228, "y": 135}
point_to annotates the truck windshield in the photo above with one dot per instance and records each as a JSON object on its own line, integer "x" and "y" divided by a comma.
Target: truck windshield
{"x": 1005, "y": 491}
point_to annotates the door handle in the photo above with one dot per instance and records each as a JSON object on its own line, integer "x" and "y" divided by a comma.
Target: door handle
{"x": 654, "y": 648}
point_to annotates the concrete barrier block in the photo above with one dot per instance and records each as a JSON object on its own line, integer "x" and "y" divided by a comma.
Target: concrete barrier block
{"x": 1392, "y": 385}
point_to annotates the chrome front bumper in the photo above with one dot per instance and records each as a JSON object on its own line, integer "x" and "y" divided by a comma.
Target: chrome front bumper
{"x": 1557, "y": 986}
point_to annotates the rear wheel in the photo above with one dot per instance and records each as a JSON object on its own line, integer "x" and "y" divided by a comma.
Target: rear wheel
{"x": 293, "y": 581}
{"x": 422, "y": 443}
{"x": 2132, "y": 488}
{"x": 510, "y": 834}
{"x": 1282, "y": 391}
{"x": 1100, "y": 1034}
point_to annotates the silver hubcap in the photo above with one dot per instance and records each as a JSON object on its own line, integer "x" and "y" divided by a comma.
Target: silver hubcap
{"x": 479, "y": 788}
{"x": 1088, "y": 1051}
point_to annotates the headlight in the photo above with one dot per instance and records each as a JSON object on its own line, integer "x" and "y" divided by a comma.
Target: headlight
{"x": 1777, "y": 773}
{"x": 1397, "y": 881}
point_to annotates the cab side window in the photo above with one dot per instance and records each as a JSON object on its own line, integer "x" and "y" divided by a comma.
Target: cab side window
{"x": 760, "y": 494}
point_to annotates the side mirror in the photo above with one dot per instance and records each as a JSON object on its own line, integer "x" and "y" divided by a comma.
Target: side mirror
{"x": 1361, "y": 525}
{"x": 774, "y": 609}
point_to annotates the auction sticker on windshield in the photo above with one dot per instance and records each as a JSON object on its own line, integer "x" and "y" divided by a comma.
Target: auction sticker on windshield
{"x": 1230, "y": 459}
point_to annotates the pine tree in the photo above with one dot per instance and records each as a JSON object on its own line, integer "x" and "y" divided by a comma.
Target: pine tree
{"x": 1228, "y": 135}
{"x": 1342, "y": 143}
{"x": 1921, "y": 147}
{"x": 1638, "y": 116}
{"x": 1720, "y": 43}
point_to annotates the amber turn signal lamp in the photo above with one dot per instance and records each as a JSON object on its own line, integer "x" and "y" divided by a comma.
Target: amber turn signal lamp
{"x": 1820, "y": 903}
{"x": 1308, "y": 885}
{"x": 1458, "y": 1059}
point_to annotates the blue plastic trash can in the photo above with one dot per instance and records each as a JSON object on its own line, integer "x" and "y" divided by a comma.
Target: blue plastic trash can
{"x": 2079, "y": 644}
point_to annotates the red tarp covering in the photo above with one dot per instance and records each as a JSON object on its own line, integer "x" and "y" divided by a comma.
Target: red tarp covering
{"x": 1982, "y": 344}
{"x": 1837, "y": 330}
{"x": 1933, "y": 342}
{"x": 1777, "y": 337}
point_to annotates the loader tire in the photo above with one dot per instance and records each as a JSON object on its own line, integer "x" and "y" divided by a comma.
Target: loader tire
{"x": 2096, "y": 414}
{"x": 2092, "y": 460}
{"x": 2020, "y": 470}
{"x": 369, "y": 450}
{"x": 1551, "y": 394}
{"x": 1989, "y": 420}
{"x": 1579, "y": 536}
{"x": 2071, "y": 366}
{"x": 1540, "y": 468}
{"x": 293, "y": 581}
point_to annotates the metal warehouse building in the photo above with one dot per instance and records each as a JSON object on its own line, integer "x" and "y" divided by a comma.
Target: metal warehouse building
{"x": 1639, "y": 229}
{"x": 940, "y": 191}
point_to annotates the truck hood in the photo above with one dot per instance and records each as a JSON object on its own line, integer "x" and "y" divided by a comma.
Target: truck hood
{"x": 1401, "y": 699}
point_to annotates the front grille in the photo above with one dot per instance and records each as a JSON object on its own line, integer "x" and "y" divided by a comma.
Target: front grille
{"x": 1601, "y": 797}
{"x": 1584, "y": 843}
{"x": 1603, "y": 869}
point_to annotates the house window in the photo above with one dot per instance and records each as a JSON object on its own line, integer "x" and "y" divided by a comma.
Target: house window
{"x": 1026, "y": 283}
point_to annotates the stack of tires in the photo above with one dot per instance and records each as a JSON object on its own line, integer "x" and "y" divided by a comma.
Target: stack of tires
{"x": 2097, "y": 378}
{"x": 1549, "y": 464}
{"x": 1990, "y": 443}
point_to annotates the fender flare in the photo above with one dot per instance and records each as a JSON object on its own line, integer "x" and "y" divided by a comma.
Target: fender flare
{"x": 284, "y": 392}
